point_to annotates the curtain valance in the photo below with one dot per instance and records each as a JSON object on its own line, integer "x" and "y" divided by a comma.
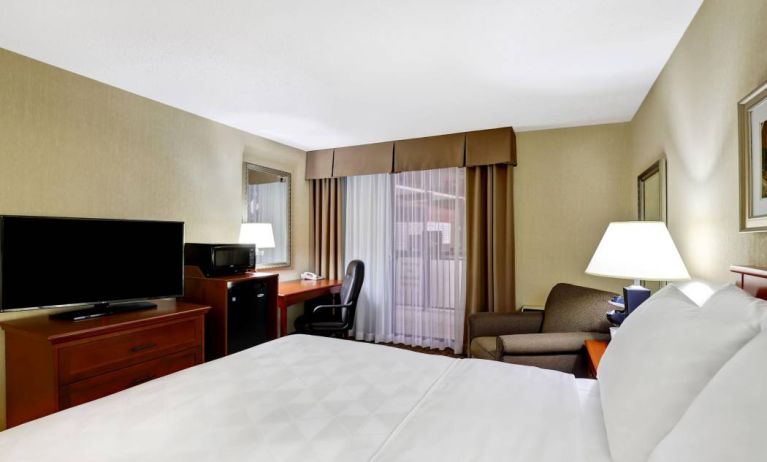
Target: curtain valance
{"x": 430, "y": 153}
{"x": 470, "y": 149}
{"x": 319, "y": 164}
{"x": 365, "y": 159}
{"x": 490, "y": 147}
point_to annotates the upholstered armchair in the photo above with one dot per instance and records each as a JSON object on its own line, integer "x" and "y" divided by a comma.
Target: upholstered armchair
{"x": 552, "y": 339}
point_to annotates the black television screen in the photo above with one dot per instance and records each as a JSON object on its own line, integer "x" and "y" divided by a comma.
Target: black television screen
{"x": 48, "y": 261}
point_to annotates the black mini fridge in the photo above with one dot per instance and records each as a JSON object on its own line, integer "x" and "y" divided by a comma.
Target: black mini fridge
{"x": 247, "y": 315}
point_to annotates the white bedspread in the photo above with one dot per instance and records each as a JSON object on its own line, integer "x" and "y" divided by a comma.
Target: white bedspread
{"x": 488, "y": 410}
{"x": 303, "y": 398}
{"x": 595, "y": 447}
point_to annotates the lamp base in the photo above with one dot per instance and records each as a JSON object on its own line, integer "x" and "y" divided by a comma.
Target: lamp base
{"x": 635, "y": 295}
{"x": 616, "y": 317}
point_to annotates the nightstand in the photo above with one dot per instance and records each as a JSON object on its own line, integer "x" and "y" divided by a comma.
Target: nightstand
{"x": 595, "y": 349}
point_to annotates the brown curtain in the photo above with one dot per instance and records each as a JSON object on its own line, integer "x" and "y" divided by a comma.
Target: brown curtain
{"x": 327, "y": 227}
{"x": 490, "y": 239}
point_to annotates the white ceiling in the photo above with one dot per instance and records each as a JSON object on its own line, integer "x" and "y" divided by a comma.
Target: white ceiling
{"x": 326, "y": 73}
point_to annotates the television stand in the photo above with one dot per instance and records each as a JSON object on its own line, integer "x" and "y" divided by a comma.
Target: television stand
{"x": 55, "y": 365}
{"x": 102, "y": 309}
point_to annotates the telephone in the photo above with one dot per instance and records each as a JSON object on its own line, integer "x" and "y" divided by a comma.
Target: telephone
{"x": 311, "y": 276}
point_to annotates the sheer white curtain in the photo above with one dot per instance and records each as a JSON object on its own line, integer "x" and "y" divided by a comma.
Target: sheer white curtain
{"x": 369, "y": 238}
{"x": 429, "y": 269}
{"x": 409, "y": 229}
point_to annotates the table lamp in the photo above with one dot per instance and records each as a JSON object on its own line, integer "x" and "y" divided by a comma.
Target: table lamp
{"x": 260, "y": 234}
{"x": 638, "y": 250}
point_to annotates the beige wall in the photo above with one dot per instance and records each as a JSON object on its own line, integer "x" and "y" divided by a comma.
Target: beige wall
{"x": 71, "y": 146}
{"x": 690, "y": 115}
{"x": 569, "y": 184}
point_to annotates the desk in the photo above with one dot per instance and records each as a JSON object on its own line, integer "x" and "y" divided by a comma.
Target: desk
{"x": 292, "y": 292}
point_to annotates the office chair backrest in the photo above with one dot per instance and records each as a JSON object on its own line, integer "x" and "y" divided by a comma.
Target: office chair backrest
{"x": 350, "y": 289}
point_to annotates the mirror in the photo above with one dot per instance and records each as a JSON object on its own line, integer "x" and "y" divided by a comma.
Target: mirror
{"x": 651, "y": 186}
{"x": 266, "y": 195}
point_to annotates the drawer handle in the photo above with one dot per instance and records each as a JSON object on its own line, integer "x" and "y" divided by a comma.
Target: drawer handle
{"x": 141, "y": 380}
{"x": 143, "y": 347}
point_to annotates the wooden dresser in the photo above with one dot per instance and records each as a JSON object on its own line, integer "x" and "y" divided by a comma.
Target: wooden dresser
{"x": 52, "y": 365}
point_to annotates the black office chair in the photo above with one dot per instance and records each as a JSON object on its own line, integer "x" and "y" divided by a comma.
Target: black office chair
{"x": 332, "y": 320}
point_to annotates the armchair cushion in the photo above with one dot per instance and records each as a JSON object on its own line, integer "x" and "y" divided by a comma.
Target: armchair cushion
{"x": 552, "y": 343}
{"x": 567, "y": 363}
{"x": 494, "y": 324}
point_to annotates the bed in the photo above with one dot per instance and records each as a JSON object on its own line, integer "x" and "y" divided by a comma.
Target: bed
{"x": 304, "y": 398}
{"x": 312, "y": 398}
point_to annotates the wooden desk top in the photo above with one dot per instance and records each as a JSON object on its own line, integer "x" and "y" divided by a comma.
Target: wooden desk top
{"x": 193, "y": 272}
{"x": 299, "y": 286}
{"x": 59, "y": 330}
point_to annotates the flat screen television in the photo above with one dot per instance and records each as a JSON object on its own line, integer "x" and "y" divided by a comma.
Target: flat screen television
{"x": 46, "y": 261}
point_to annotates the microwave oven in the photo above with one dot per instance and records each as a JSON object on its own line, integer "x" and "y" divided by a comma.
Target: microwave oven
{"x": 220, "y": 259}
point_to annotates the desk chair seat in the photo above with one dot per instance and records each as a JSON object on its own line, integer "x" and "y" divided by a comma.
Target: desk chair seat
{"x": 333, "y": 320}
{"x": 304, "y": 325}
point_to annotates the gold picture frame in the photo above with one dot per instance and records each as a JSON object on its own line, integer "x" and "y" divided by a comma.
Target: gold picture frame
{"x": 752, "y": 120}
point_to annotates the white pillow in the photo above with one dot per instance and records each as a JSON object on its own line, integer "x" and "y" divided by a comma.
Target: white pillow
{"x": 728, "y": 420}
{"x": 698, "y": 290}
{"x": 666, "y": 353}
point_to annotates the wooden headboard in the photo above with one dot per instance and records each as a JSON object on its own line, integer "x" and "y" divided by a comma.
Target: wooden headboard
{"x": 752, "y": 279}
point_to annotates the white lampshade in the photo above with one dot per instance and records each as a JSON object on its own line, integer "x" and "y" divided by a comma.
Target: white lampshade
{"x": 640, "y": 250}
{"x": 257, "y": 233}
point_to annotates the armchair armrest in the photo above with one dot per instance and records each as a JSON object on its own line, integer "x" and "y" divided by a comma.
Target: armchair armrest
{"x": 546, "y": 343}
{"x": 495, "y": 324}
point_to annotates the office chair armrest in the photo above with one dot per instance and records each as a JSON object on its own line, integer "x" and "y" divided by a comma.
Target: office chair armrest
{"x": 329, "y": 307}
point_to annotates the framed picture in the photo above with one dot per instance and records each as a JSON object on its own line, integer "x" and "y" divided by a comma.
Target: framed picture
{"x": 752, "y": 136}
{"x": 652, "y": 203}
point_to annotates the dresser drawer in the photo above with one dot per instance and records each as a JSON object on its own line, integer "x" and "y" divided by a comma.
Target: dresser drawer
{"x": 102, "y": 354}
{"x": 112, "y": 382}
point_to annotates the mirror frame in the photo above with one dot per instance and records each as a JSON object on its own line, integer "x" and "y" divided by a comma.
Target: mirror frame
{"x": 247, "y": 167}
{"x": 658, "y": 167}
